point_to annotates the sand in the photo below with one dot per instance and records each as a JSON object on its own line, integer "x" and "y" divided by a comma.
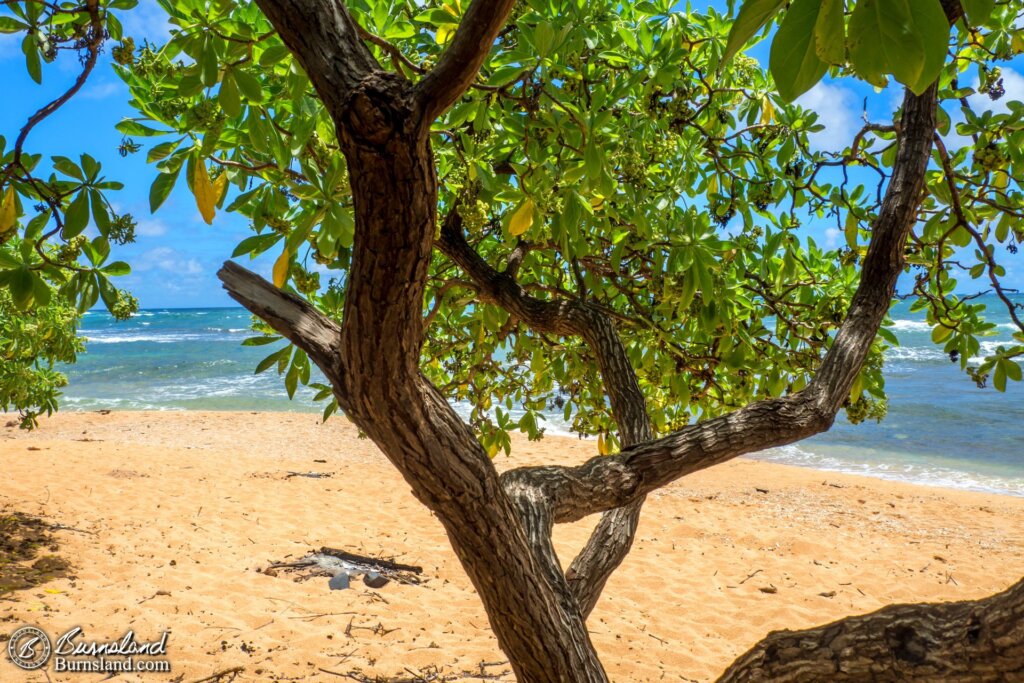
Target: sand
{"x": 172, "y": 514}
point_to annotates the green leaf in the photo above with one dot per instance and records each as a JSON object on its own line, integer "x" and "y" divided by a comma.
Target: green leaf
{"x": 7, "y": 261}
{"x": 269, "y": 361}
{"x": 11, "y": 25}
{"x": 830, "y": 32}
{"x": 931, "y": 22}
{"x": 978, "y": 11}
{"x": 291, "y": 381}
{"x": 131, "y": 127}
{"x": 794, "y": 62}
{"x": 754, "y": 14}
{"x": 100, "y": 215}
{"x": 940, "y": 333}
{"x": 256, "y": 244}
{"x": 68, "y": 167}
{"x": 272, "y": 55}
{"x": 999, "y": 377}
{"x": 117, "y": 269}
{"x": 260, "y": 341}
{"x": 248, "y": 85}
{"x": 209, "y": 66}
{"x": 77, "y": 216}
{"x": 1013, "y": 370}
{"x": 22, "y": 287}
{"x": 32, "y": 63}
{"x": 228, "y": 96}
{"x": 107, "y": 292}
{"x": 906, "y": 38}
{"x": 162, "y": 151}
{"x": 162, "y": 187}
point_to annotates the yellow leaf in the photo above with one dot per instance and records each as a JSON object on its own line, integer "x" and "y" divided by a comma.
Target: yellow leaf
{"x": 596, "y": 202}
{"x": 53, "y": 591}
{"x": 8, "y": 211}
{"x": 445, "y": 32}
{"x": 1000, "y": 180}
{"x": 220, "y": 186}
{"x": 281, "y": 268}
{"x": 602, "y": 445}
{"x": 492, "y": 450}
{"x": 1017, "y": 43}
{"x": 767, "y": 111}
{"x": 522, "y": 219}
{"x": 206, "y": 197}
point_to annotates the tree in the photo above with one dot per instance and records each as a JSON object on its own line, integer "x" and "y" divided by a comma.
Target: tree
{"x": 587, "y": 205}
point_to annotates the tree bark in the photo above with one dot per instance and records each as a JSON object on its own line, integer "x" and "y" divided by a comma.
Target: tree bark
{"x": 612, "y": 539}
{"x": 373, "y": 365}
{"x": 959, "y": 642}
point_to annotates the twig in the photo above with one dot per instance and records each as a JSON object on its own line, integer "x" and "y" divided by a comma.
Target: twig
{"x": 750, "y": 576}
{"x": 233, "y": 672}
{"x": 333, "y": 673}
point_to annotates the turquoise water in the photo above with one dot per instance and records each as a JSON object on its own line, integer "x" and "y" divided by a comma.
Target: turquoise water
{"x": 941, "y": 429}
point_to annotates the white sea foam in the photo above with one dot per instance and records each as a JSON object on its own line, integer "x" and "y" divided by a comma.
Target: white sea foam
{"x": 97, "y": 337}
{"x": 928, "y": 475}
{"x": 989, "y": 348}
{"x": 914, "y": 353}
{"x": 910, "y": 326}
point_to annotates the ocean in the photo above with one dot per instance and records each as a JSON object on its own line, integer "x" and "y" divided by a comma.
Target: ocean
{"x": 941, "y": 429}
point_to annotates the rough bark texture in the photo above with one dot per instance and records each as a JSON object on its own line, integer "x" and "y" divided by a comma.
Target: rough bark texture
{"x": 613, "y": 537}
{"x": 963, "y": 642}
{"x": 500, "y": 528}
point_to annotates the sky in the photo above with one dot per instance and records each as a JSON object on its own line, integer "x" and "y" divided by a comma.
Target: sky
{"x": 176, "y": 255}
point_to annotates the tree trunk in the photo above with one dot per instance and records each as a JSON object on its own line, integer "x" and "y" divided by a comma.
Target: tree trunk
{"x": 963, "y": 642}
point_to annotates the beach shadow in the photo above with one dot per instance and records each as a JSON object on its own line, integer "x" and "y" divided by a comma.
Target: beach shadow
{"x": 27, "y": 552}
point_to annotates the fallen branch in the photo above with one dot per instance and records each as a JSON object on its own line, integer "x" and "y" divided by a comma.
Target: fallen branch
{"x": 311, "y": 475}
{"x": 375, "y": 562}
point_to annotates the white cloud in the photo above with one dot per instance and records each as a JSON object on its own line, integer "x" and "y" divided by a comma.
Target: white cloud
{"x": 1013, "y": 83}
{"x": 101, "y": 91}
{"x": 837, "y": 110}
{"x": 146, "y": 21}
{"x": 150, "y": 227}
{"x": 832, "y": 238}
{"x": 167, "y": 259}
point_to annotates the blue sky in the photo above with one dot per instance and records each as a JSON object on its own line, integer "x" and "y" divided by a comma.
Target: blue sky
{"x": 176, "y": 255}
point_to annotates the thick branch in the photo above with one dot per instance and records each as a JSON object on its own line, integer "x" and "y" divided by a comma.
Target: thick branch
{"x": 976, "y": 641}
{"x": 461, "y": 61}
{"x": 609, "y": 482}
{"x": 299, "y": 321}
{"x": 612, "y": 538}
{"x": 325, "y": 39}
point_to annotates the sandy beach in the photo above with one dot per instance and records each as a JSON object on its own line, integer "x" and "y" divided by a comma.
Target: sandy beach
{"x": 166, "y": 517}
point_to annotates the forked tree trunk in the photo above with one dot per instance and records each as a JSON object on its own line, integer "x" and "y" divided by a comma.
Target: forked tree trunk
{"x": 979, "y": 641}
{"x": 500, "y": 527}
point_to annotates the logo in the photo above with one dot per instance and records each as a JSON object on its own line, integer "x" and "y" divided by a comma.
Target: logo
{"x": 29, "y": 648}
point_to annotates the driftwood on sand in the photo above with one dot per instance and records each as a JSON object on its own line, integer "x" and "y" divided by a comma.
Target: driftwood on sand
{"x": 332, "y": 561}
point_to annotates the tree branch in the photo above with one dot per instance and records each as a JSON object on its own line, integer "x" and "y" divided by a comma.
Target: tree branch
{"x": 461, "y": 61}
{"x": 604, "y": 483}
{"x": 325, "y": 39}
{"x": 977, "y": 640}
{"x": 297, "y": 320}
{"x": 612, "y": 538}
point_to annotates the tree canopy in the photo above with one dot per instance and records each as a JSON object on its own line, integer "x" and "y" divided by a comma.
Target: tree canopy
{"x": 627, "y": 154}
